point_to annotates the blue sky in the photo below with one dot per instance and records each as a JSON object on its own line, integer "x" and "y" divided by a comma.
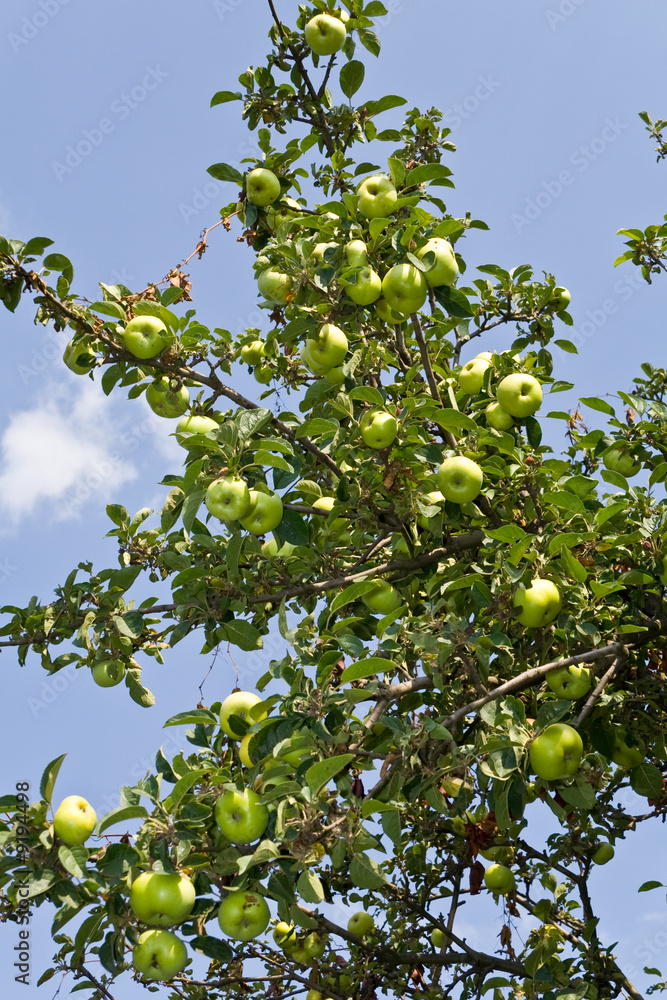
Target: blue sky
{"x": 542, "y": 97}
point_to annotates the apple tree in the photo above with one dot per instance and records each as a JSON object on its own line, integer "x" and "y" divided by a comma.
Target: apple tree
{"x": 473, "y": 621}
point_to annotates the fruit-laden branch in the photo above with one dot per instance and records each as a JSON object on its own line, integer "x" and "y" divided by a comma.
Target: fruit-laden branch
{"x": 33, "y": 281}
{"x": 320, "y": 117}
{"x": 509, "y": 317}
{"x": 611, "y": 971}
{"x": 598, "y": 689}
{"x": 386, "y": 694}
{"x": 530, "y": 677}
{"x": 480, "y": 959}
{"x": 455, "y": 544}
{"x": 41, "y": 637}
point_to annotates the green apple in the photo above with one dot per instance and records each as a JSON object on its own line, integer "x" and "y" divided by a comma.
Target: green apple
{"x": 274, "y": 285}
{"x": 312, "y": 366}
{"x": 539, "y": 603}
{"x": 162, "y": 899}
{"x": 366, "y": 289}
{"x": 356, "y": 253}
{"x": 325, "y": 34}
{"x": 252, "y": 354}
{"x": 244, "y": 915}
{"x": 388, "y": 315}
{"x": 438, "y": 937}
{"x": 560, "y": 298}
{"x": 145, "y": 337}
{"x": 383, "y": 599}
{"x": 194, "y": 425}
{"x": 159, "y": 955}
{"x": 272, "y": 550}
{"x": 108, "y": 673}
{"x": 619, "y": 458}
{"x": 320, "y": 249}
{"x": 74, "y": 820}
{"x": 244, "y": 751}
{"x": 314, "y": 995}
{"x": 460, "y": 479}
{"x": 498, "y": 418}
{"x": 444, "y": 270}
{"x": 404, "y": 288}
{"x": 228, "y": 498}
{"x": 336, "y": 376}
{"x": 361, "y": 924}
{"x": 624, "y": 755}
{"x": 603, "y": 854}
{"x": 556, "y": 752}
{"x": 167, "y": 398}
{"x": 377, "y": 197}
{"x": 471, "y": 376}
{"x": 262, "y": 186}
{"x": 520, "y": 394}
{"x": 241, "y": 816}
{"x": 285, "y": 936}
{"x": 570, "y": 682}
{"x": 378, "y": 428}
{"x": 264, "y": 514}
{"x": 330, "y": 347}
{"x": 315, "y": 945}
{"x": 434, "y": 497}
{"x": 239, "y": 703}
{"x": 327, "y": 503}
{"x": 499, "y": 878}
{"x": 79, "y": 357}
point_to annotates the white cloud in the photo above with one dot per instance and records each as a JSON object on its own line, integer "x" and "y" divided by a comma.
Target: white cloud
{"x": 65, "y": 452}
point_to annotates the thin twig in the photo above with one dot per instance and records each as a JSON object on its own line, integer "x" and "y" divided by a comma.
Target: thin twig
{"x": 598, "y": 689}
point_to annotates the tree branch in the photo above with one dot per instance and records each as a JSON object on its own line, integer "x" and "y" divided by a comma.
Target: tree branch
{"x": 528, "y": 678}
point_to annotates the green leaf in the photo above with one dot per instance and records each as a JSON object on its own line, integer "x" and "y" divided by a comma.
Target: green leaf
{"x": 453, "y": 301}
{"x": 310, "y": 887}
{"x": 454, "y": 420}
{"x": 224, "y": 96}
{"x": 59, "y": 262}
{"x": 119, "y": 815}
{"x": 375, "y": 9}
{"x": 367, "y": 394}
{"x": 567, "y": 346}
{"x": 384, "y": 104}
{"x": 36, "y": 246}
{"x": 509, "y": 533}
{"x": 242, "y": 634}
{"x": 365, "y": 873}
{"x": 73, "y": 859}
{"x": 647, "y": 886}
{"x": 198, "y": 716}
{"x": 367, "y": 668}
{"x": 427, "y": 172}
{"x": 598, "y": 404}
{"x": 251, "y": 422}
{"x": 191, "y": 508}
{"x": 646, "y": 780}
{"x": 351, "y": 77}
{"x": 369, "y": 40}
{"x": 225, "y": 172}
{"x": 117, "y": 860}
{"x": 130, "y": 624}
{"x": 49, "y": 777}
{"x": 213, "y": 948}
{"x": 351, "y": 593}
{"x": 184, "y": 784}
{"x": 292, "y": 529}
{"x": 319, "y": 774}
{"x": 138, "y": 692}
